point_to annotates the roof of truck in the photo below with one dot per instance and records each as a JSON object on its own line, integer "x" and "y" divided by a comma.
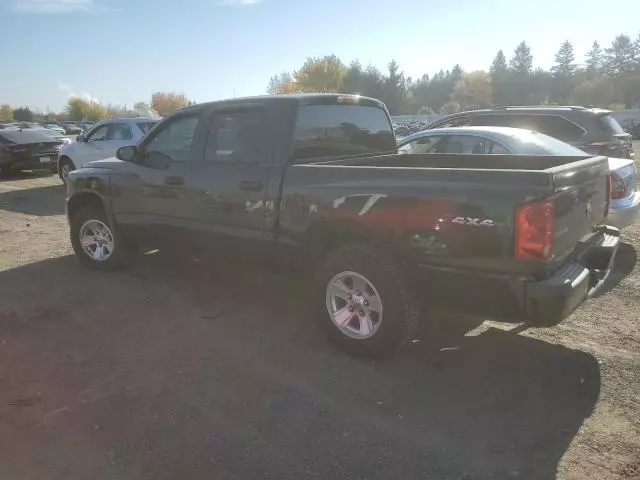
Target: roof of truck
{"x": 289, "y": 97}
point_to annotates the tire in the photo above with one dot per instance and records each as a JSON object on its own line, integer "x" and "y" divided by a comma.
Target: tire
{"x": 115, "y": 251}
{"x": 65, "y": 165}
{"x": 386, "y": 290}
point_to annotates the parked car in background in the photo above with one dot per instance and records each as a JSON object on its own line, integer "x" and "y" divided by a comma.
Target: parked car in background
{"x": 625, "y": 197}
{"x": 592, "y": 130}
{"x": 102, "y": 141}
{"x": 27, "y": 149}
{"x": 315, "y": 180}
{"x": 71, "y": 129}
{"x": 55, "y": 128}
{"x": 632, "y": 127}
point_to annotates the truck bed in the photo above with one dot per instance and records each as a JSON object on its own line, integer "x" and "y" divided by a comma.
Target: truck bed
{"x": 453, "y": 210}
{"x": 473, "y": 162}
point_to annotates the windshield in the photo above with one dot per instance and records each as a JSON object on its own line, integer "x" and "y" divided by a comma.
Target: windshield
{"x": 610, "y": 125}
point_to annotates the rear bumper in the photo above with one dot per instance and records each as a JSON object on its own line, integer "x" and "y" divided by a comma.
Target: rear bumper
{"x": 31, "y": 162}
{"x": 624, "y": 212}
{"x": 551, "y": 300}
{"x": 545, "y": 301}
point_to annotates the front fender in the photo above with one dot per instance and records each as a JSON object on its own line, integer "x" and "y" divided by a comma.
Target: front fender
{"x": 89, "y": 185}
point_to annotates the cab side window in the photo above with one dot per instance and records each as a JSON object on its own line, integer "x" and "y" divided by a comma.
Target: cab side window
{"x": 119, "y": 131}
{"x": 236, "y": 137}
{"x": 174, "y": 140}
{"x": 100, "y": 134}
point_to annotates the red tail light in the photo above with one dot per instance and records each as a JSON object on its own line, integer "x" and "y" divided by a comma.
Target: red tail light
{"x": 534, "y": 231}
{"x": 618, "y": 187}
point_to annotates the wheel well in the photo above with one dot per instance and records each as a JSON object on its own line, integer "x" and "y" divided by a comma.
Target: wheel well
{"x": 82, "y": 200}
{"x": 64, "y": 158}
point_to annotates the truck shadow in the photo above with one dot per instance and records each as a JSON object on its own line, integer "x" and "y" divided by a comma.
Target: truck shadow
{"x": 40, "y": 201}
{"x": 193, "y": 369}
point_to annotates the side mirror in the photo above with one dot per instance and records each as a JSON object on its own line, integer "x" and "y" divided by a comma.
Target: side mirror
{"x": 127, "y": 154}
{"x": 80, "y": 138}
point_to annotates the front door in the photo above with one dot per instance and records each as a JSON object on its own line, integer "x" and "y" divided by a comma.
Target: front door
{"x": 118, "y": 135}
{"x": 92, "y": 148}
{"x": 154, "y": 199}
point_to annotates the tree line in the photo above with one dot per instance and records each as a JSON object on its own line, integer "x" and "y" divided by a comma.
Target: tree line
{"x": 608, "y": 77}
{"x": 78, "y": 109}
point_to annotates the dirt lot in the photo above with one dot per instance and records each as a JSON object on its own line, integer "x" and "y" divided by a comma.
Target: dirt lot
{"x": 178, "y": 368}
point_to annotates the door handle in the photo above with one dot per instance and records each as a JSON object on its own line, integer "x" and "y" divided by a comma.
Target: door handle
{"x": 250, "y": 185}
{"x": 173, "y": 180}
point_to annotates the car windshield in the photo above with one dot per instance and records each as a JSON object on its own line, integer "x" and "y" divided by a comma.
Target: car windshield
{"x": 610, "y": 125}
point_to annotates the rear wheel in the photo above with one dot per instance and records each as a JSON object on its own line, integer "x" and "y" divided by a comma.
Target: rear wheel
{"x": 364, "y": 306}
{"x": 96, "y": 242}
{"x": 64, "y": 167}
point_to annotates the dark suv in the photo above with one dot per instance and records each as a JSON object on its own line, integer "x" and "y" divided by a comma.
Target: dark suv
{"x": 590, "y": 129}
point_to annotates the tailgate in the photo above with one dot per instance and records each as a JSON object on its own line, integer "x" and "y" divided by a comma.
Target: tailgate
{"x": 581, "y": 202}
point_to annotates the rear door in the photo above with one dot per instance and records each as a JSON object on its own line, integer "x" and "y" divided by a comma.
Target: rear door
{"x": 230, "y": 180}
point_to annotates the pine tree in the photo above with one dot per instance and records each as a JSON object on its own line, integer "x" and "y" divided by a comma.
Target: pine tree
{"x": 395, "y": 87}
{"x": 499, "y": 64}
{"x": 594, "y": 59}
{"x": 522, "y": 61}
{"x": 619, "y": 57}
{"x": 565, "y": 57}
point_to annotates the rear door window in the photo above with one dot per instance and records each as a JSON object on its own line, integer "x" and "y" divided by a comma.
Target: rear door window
{"x": 429, "y": 144}
{"x": 236, "y": 137}
{"x": 334, "y": 130}
{"x": 119, "y": 131}
{"x": 553, "y": 125}
{"x": 469, "y": 145}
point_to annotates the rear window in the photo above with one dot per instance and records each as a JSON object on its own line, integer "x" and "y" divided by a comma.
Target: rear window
{"x": 552, "y": 125}
{"x": 333, "y": 130}
{"x": 610, "y": 125}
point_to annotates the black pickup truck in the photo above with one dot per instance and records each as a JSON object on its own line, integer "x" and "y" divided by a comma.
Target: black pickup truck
{"x": 316, "y": 180}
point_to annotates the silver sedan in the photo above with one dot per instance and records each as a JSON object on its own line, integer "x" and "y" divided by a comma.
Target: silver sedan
{"x": 625, "y": 197}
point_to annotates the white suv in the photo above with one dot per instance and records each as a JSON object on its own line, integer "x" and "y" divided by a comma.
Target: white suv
{"x": 102, "y": 141}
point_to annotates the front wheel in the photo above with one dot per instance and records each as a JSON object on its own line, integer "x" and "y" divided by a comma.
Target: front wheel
{"x": 96, "y": 242}
{"x": 365, "y": 306}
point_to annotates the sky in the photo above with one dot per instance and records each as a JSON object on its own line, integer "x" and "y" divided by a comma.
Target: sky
{"x": 121, "y": 51}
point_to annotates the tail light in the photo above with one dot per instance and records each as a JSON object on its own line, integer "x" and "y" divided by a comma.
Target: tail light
{"x": 596, "y": 147}
{"x": 618, "y": 187}
{"x": 534, "y": 231}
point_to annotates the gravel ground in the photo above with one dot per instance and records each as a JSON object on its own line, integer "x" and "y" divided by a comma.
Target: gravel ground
{"x": 178, "y": 368}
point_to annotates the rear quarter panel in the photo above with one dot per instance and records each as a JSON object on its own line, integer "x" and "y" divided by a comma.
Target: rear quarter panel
{"x": 580, "y": 203}
{"x": 427, "y": 216}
